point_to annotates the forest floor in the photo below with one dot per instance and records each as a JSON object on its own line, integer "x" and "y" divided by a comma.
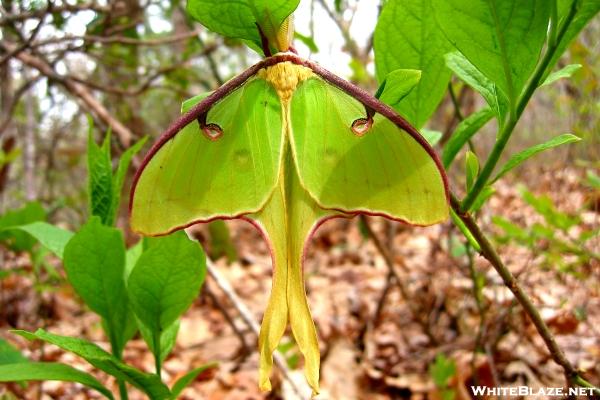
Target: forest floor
{"x": 370, "y": 348}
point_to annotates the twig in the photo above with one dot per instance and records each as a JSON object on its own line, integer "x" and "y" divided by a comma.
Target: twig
{"x": 76, "y": 89}
{"x": 120, "y": 39}
{"x": 35, "y": 14}
{"x": 247, "y": 317}
{"x": 489, "y": 252}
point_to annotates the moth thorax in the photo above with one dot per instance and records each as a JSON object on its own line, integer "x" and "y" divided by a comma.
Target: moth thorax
{"x": 285, "y": 77}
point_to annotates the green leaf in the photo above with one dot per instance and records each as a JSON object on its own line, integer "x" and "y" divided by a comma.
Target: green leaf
{"x": 502, "y": 39}
{"x": 432, "y": 137}
{"x": 10, "y": 355}
{"x": 463, "y": 132}
{"x": 168, "y": 338}
{"x": 119, "y": 177}
{"x": 472, "y": 168}
{"x": 565, "y": 72}
{"x": 100, "y": 178}
{"x": 397, "y": 85}
{"x": 521, "y": 156}
{"x": 192, "y": 101}
{"x": 17, "y": 240}
{"x": 189, "y": 378}
{"x": 51, "y": 237}
{"x": 474, "y": 78}
{"x": 442, "y": 370}
{"x": 46, "y": 371}
{"x": 308, "y": 41}
{"x": 165, "y": 281}
{"x": 407, "y": 36}
{"x": 94, "y": 260}
{"x": 513, "y": 231}
{"x": 238, "y": 18}
{"x": 131, "y": 257}
{"x": 148, "y": 383}
{"x": 585, "y": 10}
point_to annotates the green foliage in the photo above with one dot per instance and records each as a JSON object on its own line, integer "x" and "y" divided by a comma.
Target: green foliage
{"x": 148, "y": 383}
{"x": 50, "y": 236}
{"x": 104, "y": 187}
{"x": 189, "y": 378}
{"x": 467, "y": 128}
{"x": 397, "y": 85}
{"x": 94, "y": 260}
{"x": 164, "y": 283}
{"x": 483, "y": 85}
{"x": 441, "y": 371}
{"x": 48, "y": 371}
{"x": 521, "y": 156}
{"x": 552, "y": 239}
{"x": 407, "y": 36}
{"x": 472, "y": 168}
{"x": 12, "y": 220}
{"x": 10, "y": 355}
{"x": 239, "y": 19}
{"x": 502, "y": 39}
{"x": 565, "y": 72}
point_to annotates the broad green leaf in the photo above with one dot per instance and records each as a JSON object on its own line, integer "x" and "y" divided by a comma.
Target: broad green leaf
{"x": 168, "y": 338}
{"x": 432, "y": 137}
{"x": 397, "y": 85}
{"x": 585, "y": 10}
{"x": 502, "y": 39}
{"x": 238, "y": 18}
{"x": 50, "y": 236}
{"x": 10, "y": 355}
{"x": 18, "y": 240}
{"x": 472, "y": 168}
{"x": 407, "y": 36}
{"x": 119, "y": 177}
{"x": 474, "y": 78}
{"x": 166, "y": 280}
{"x": 521, "y": 156}
{"x": 148, "y": 383}
{"x": 565, "y": 72}
{"x": 94, "y": 260}
{"x": 189, "y": 378}
{"x": 463, "y": 132}
{"x": 47, "y": 371}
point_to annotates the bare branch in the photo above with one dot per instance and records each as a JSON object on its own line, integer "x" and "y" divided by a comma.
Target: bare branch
{"x": 9, "y": 18}
{"x": 76, "y": 89}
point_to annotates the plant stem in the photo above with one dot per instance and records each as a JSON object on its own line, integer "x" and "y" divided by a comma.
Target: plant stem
{"x": 489, "y": 252}
{"x": 508, "y": 128}
{"x": 157, "y": 360}
{"x": 122, "y": 390}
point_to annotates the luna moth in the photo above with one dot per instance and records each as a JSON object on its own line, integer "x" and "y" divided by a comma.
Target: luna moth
{"x": 287, "y": 145}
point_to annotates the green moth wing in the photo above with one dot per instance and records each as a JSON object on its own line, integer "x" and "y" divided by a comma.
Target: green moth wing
{"x": 356, "y": 163}
{"x": 227, "y": 169}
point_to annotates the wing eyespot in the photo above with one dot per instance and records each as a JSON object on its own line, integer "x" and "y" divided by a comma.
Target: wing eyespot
{"x": 361, "y": 126}
{"x": 212, "y": 131}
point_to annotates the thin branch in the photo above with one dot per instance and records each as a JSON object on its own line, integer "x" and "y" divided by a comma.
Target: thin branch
{"x": 489, "y": 252}
{"x": 9, "y": 18}
{"x": 161, "y": 41}
{"x": 77, "y": 90}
